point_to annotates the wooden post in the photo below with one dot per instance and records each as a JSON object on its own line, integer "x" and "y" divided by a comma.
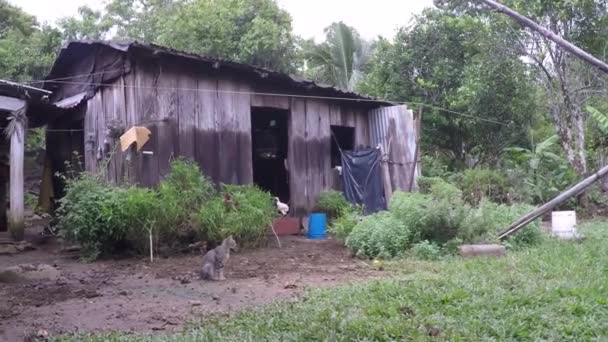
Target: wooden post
{"x": 417, "y": 123}
{"x": 16, "y": 220}
{"x": 538, "y": 212}
{"x": 386, "y": 175}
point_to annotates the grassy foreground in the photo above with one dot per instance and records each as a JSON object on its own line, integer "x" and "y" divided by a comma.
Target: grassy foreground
{"x": 556, "y": 292}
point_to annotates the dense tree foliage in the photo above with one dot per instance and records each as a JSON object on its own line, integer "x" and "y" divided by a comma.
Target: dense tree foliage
{"x": 26, "y": 48}
{"x": 251, "y": 31}
{"x": 463, "y": 64}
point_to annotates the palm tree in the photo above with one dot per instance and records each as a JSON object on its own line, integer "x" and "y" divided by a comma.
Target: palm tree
{"x": 338, "y": 60}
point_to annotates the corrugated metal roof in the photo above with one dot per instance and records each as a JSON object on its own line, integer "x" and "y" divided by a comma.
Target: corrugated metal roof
{"x": 260, "y": 73}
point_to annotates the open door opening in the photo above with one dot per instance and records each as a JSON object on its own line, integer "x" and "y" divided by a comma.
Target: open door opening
{"x": 269, "y": 144}
{"x": 343, "y": 138}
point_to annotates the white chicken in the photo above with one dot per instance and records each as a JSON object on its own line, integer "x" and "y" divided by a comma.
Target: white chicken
{"x": 282, "y": 207}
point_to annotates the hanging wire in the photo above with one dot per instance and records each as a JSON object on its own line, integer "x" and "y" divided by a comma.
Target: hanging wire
{"x": 234, "y": 92}
{"x": 73, "y": 76}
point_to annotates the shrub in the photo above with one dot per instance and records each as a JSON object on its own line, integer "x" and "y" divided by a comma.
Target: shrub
{"x": 477, "y": 184}
{"x": 81, "y": 213}
{"x": 137, "y": 213}
{"x": 247, "y": 217}
{"x": 182, "y": 192}
{"x": 438, "y": 216}
{"x": 380, "y": 235}
{"x": 425, "y": 183}
{"x": 343, "y": 225}
{"x": 484, "y": 222}
{"x": 426, "y": 250}
{"x": 105, "y": 218}
{"x": 333, "y": 203}
{"x": 530, "y": 235}
{"x": 434, "y": 216}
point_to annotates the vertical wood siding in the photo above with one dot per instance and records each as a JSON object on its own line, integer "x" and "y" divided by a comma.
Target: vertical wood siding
{"x": 208, "y": 119}
{"x": 190, "y": 115}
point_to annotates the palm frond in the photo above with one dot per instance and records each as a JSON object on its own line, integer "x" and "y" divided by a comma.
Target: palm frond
{"x": 17, "y": 117}
{"x": 601, "y": 118}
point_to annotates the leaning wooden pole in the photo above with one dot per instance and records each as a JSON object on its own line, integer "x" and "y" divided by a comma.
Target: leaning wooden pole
{"x": 536, "y": 213}
{"x": 566, "y": 45}
{"x": 587, "y": 57}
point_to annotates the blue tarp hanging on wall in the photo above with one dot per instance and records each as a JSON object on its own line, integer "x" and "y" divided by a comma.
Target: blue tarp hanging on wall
{"x": 362, "y": 179}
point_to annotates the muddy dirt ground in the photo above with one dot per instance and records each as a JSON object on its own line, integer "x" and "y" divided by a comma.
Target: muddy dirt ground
{"x": 136, "y": 296}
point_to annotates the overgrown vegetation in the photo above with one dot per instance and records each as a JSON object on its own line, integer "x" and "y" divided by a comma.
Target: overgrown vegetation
{"x": 106, "y": 218}
{"x": 245, "y": 212}
{"x": 553, "y": 292}
{"x": 333, "y": 203}
{"x": 434, "y": 221}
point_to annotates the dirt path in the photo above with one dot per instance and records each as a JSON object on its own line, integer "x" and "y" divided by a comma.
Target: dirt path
{"x": 133, "y": 295}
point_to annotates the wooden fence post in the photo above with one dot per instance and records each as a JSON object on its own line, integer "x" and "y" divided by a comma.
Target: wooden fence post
{"x": 386, "y": 174}
{"x": 16, "y": 220}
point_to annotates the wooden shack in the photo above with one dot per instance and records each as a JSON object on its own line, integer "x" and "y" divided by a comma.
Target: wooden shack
{"x": 242, "y": 124}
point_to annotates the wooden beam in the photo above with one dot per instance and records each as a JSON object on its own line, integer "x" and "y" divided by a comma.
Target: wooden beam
{"x": 10, "y": 104}
{"x": 538, "y": 212}
{"x": 386, "y": 175}
{"x": 566, "y": 45}
{"x": 16, "y": 220}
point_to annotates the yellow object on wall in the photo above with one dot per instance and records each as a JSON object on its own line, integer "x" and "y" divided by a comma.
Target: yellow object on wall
{"x": 138, "y": 135}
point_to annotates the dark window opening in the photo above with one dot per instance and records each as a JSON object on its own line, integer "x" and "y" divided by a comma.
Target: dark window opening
{"x": 269, "y": 151}
{"x": 342, "y": 138}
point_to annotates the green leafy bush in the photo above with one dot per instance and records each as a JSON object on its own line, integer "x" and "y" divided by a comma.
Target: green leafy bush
{"x": 344, "y": 224}
{"x": 247, "y": 216}
{"x": 477, "y": 184}
{"x": 333, "y": 203}
{"x": 435, "y": 215}
{"x": 105, "y": 218}
{"x": 425, "y": 183}
{"x": 81, "y": 213}
{"x": 380, "y": 235}
{"x": 426, "y": 250}
{"x": 483, "y": 223}
{"x": 183, "y": 192}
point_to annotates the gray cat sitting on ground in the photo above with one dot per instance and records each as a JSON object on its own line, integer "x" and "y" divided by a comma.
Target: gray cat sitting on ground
{"x": 215, "y": 260}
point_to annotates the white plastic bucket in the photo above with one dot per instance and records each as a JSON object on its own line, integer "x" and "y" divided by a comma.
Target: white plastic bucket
{"x": 563, "y": 224}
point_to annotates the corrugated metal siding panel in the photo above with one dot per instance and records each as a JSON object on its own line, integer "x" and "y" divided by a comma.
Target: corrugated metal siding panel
{"x": 396, "y": 126}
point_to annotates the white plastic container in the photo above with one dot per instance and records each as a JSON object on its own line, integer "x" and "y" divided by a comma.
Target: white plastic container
{"x": 563, "y": 224}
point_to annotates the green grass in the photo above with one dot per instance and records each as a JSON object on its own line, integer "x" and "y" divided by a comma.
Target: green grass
{"x": 556, "y": 292}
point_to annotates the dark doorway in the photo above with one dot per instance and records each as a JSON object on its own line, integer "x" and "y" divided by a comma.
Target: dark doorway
{"x": 269, "y": 144}
{"x": 342, "y": 138}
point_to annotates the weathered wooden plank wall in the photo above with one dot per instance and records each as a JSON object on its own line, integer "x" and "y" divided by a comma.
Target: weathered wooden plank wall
{"x": 208, "y": 118}
{"x": 298, "y": 157}
{"x": 310, "y": 139}
{"x": 195, "y": 116}
{"x": 207, "y": 139}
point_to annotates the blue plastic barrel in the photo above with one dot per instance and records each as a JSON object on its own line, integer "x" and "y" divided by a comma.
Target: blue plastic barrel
{"x": 316, "y": 226}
